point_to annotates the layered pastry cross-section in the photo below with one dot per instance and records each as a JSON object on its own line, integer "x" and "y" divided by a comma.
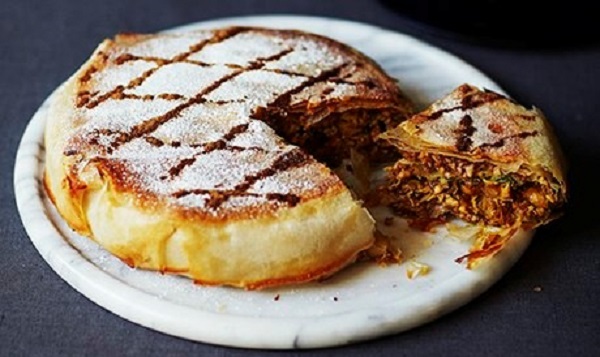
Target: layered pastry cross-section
{"x": 478, "y": 156}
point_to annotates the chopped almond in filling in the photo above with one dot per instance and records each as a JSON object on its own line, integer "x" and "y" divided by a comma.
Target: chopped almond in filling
{"x": 426, "y": 187}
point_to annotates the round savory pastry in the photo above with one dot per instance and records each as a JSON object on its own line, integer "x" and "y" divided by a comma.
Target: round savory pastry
{"x": 202, "y": 153}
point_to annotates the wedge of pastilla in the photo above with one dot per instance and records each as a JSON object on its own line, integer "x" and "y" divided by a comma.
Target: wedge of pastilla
{"x": 478, "y": 156}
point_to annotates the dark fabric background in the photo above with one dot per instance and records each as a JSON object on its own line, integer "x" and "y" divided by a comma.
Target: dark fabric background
{"x": 43, "y": 42}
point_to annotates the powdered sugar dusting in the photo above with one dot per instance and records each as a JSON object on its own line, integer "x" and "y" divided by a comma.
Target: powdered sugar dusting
{"x": 258, "y": 135}
{"x": 294, "y": 180}
{"x": 194, "y": 200}
{"x": 113, "y": 76}
{"x": 240, "y": 49}
{"x": 181, "y": 78}
{"x": 123, "y": 115}
{"x": 341, "y": 90}
{"x": 256, "y": 88}
{"x": 222, "y": 169}
{"x": 203, "y": 123}
{"x": 105, "y": 140}
{"x": 168, "y": 46}
{"x": 150, "y": 164}
{"x": 139, "y": 148}
{"x": 309, "y": 59}
{"x": 442, "y": 131}
{"x": 180, "y": 126}
{"x": 445, "y": 130}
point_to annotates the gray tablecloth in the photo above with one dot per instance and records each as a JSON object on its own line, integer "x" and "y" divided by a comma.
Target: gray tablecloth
{"x": 43, "y": 42}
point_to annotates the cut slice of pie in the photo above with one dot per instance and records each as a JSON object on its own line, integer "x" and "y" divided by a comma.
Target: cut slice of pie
{"x": 478, "y": 156}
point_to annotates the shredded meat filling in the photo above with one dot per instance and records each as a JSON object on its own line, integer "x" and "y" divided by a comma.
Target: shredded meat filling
{"x": 427, "y": 186}
{"x": 331, "y": 139}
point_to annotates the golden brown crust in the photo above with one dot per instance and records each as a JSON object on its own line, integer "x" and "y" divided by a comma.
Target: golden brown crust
{"x": 158, "y": 148}
{"x": 307, "y": 276}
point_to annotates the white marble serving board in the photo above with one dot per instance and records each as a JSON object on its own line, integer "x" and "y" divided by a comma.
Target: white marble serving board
{"x": 362, "y": 302}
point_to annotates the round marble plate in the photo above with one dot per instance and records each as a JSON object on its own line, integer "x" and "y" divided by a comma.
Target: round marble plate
{"x": 362, "y": 302}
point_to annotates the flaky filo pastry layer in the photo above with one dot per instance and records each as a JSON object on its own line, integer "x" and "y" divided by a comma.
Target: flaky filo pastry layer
{"x": 478, "y": 156}
{"x": 201, "y": 153}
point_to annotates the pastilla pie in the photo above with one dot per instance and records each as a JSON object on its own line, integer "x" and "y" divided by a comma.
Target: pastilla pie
{"x": 203, "y": 153}
{"x": 479, "y": 156}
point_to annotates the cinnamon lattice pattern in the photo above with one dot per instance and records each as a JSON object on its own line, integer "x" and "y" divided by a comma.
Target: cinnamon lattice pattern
{"x": 195, "y": 111}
